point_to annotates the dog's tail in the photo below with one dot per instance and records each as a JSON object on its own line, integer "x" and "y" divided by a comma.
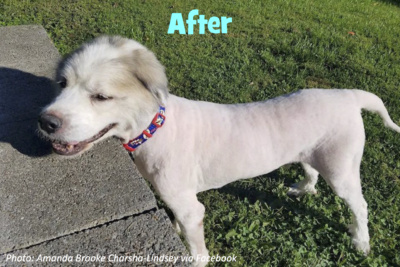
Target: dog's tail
{"x": 374, "y": 104}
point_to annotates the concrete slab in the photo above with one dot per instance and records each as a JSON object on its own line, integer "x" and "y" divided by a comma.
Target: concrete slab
{"x": 141, "y": 238}
{"x": 42, "y": 196}
{"x": 29, "y": 49}
{"x": 46, "y": 197}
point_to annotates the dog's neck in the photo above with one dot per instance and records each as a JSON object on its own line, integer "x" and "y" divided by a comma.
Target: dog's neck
{"x": 147, "y": 133}
{"x": 149, "y": 156}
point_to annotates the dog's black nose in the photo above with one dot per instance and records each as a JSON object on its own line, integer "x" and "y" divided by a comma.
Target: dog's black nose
{"x": 49, "y": 123}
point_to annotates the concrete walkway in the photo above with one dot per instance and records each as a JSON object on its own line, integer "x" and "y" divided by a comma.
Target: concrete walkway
{"x": 97, "y": 204}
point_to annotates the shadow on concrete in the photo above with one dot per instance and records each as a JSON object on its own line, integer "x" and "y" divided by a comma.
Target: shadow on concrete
{"x": 22, "y": 97}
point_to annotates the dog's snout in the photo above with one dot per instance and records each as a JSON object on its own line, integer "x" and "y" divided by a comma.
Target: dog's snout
{"x": 49, "y": 123}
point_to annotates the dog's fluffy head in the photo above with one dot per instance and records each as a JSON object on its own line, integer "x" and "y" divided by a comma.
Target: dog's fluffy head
{"x": 108, "y": 85}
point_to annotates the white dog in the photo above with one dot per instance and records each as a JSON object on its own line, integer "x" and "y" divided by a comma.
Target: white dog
{"x": 116, "y": 87}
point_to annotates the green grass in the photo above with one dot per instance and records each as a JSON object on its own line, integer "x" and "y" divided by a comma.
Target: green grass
{"x": 272, "y": 48}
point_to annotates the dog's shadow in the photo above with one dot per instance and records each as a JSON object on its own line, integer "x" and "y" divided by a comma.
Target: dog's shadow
{"x": 393, "y": 2}
{"x": 22, "y": 97}
{"x": 289, "y": 205}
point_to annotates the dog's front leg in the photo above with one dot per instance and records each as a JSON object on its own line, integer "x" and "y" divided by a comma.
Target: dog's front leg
{"x": 189, "y": 213}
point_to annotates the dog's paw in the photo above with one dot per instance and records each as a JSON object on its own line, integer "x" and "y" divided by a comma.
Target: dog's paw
{"x": 360, "y": 241}
{"x": 176, "y": 226}
{"x": 201, "y": 260}
{"x": 297, "y": 190}
{"x": 199, "y": 264}
{"x": 362, "y": 246}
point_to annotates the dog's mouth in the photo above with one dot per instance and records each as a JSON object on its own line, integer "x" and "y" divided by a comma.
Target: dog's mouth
{"x": 72, "y": 148}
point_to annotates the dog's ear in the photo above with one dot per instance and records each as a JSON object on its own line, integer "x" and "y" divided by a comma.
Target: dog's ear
{"x": 149, "y": 71}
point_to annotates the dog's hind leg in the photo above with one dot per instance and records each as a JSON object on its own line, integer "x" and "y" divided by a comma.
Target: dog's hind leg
{"x": 348, "y": 187}
{"x": 359, "y": 226}
{"x": 340, "y": 168}
{"x": 307, "y": 185}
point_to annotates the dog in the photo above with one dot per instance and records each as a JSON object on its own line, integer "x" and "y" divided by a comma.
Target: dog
{"x": 113, "y": 86}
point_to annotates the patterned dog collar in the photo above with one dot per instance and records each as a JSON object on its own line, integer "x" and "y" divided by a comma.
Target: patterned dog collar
{"x": 156, "y": 123}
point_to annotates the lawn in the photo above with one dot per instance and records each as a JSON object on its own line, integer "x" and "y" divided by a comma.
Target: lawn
{"x": 272, "y": 48}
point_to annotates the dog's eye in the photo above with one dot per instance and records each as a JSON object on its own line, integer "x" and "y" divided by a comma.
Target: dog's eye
{"x": 62, "y": 82}
{"x": 100, "y": 97}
